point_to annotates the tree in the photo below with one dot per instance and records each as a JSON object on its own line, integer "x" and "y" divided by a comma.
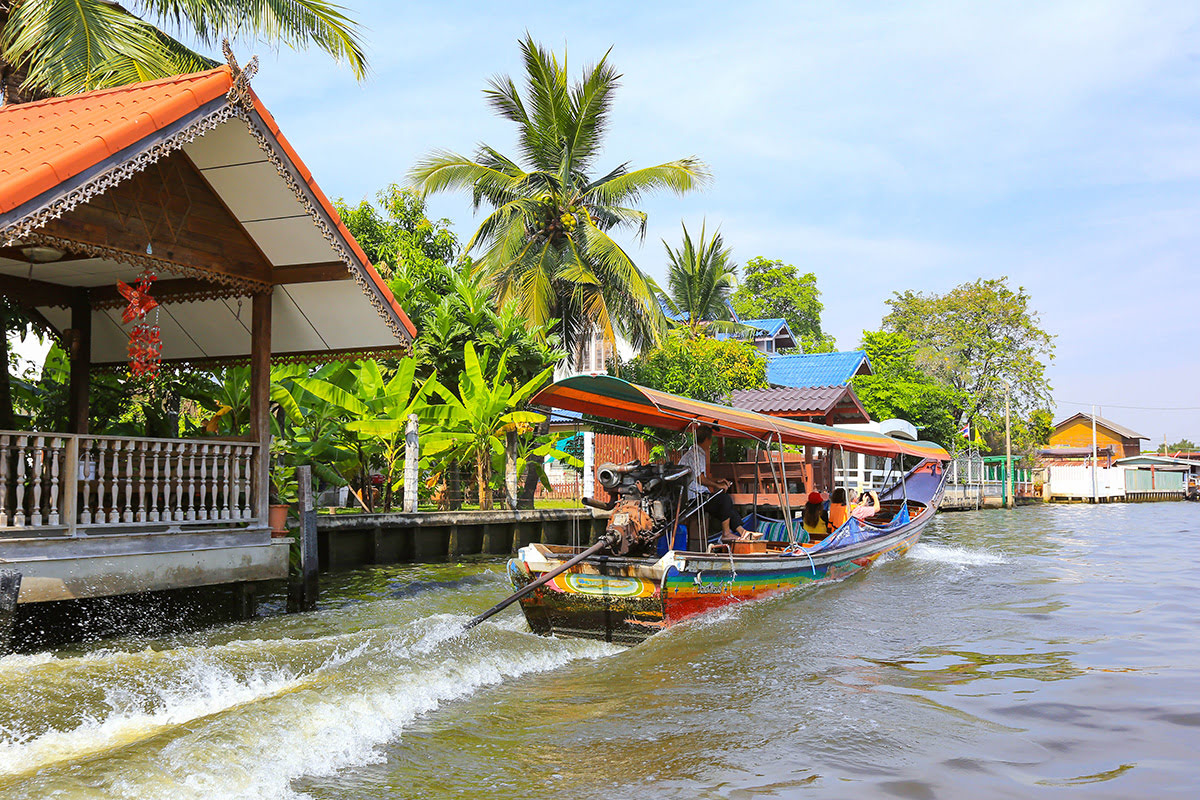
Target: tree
{"x": 897, "y": 388}
{"x": 700, "y": 280}
{"x": 974, "y": 339}
{"x": 772, "y": 289}
{"x": 703, "y": 369}
{"x": 547, "y": 243}
{"x": 473, "y": 423}
{"x": 57, "y": 47}
{"x": 399, "y": 236}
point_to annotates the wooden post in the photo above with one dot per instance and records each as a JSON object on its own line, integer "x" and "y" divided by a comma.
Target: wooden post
{"x": 260, "y": 400}
{"x": 303, "y": 588}
{"x": 10, "y": 587}
{"x": 412, "y": 455}
{"x": 81, "y": 363}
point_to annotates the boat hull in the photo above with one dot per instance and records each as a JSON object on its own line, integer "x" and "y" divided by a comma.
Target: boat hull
{"x": 627, "y": 600}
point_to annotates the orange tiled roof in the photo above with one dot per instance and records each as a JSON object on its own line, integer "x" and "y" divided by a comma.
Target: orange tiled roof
{"x": 45, "y": 143}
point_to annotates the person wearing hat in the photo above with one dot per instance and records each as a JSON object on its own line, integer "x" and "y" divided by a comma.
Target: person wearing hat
{"x": 814, "y": 525}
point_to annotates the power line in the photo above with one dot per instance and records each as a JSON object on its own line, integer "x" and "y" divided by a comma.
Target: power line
{"x": 1135, "y": 408}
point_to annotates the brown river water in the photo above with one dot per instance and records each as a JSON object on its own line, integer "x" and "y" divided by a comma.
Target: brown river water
{"x": 1040, "y": 652}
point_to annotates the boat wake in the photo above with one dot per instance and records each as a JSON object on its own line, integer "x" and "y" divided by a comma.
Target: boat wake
{"x": 956, "y": 556}
{"x": 211, "y": 722}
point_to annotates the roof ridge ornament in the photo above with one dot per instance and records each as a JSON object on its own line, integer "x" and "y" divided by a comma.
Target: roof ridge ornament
{"x": 239, "y": 91}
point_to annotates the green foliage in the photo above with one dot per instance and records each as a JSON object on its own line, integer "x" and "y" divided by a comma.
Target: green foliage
{"x": 1183, "y": 445}
{"x": 974, "y": 339}
{"x": 399, "y": 235}
{"x": 701, "y": 368}
{"x": 899, "y": 389}
{"x": 773, "y": 289}
{"x": 546, "y": 245}
{"x": 473, "y": 423}
{"x": 700, "y": 280}
{"x": 70, "y": 46}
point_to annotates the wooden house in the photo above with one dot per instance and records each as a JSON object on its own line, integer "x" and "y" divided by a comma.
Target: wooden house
{"x": 1072, "y": 438}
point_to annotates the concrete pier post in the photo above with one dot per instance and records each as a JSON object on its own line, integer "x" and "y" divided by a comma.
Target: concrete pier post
{"x": 303, "y": 588}
{"x": 10, "y": 587}
{"x": 412, "y": 456}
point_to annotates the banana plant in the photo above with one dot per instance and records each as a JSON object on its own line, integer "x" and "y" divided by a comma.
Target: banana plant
{"x": 377, "y": 408}
{"x": 473, "y": 425}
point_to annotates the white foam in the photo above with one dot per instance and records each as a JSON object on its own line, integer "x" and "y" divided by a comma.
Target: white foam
{"x": 269, "y": 727}
{"x": 204, "y": 688}
{"x": 958, "y": 556}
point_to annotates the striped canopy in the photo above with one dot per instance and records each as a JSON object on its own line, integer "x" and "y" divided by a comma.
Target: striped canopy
{"x": 613, "y": 398}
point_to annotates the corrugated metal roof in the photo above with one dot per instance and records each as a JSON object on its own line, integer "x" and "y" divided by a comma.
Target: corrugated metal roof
{"x": 790, "y": 400}
{"x": 1121, "y": 430}
{"x": 771, "y": 325}
{"x": 816, "y": 369}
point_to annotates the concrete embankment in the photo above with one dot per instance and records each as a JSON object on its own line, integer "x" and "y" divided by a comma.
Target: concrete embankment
{"x": 352, "y": 540}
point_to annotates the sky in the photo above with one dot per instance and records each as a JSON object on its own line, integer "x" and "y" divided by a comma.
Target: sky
{"x": 883, "y": 146}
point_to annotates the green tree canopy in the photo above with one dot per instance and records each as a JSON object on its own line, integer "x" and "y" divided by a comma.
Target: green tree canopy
{"x": 974, "y": 339}
{"x": 701, "y": 368}
{"x": 772, "y": 289}
{"x": 548, "y": 244}
{"x": 399, "y": 234}
{"x": 897, "y": 388}
{"x": 701, "y": 278}
{"x": 57, "y": 47}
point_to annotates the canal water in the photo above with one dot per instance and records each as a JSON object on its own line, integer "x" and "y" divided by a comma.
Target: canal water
{"x": 1038, "y": 652}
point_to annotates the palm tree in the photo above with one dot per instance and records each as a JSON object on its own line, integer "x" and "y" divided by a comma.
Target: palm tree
{"x": 700, "y": 280}
{"x": 547, "y": 244}
{"x": 56, "y": 47}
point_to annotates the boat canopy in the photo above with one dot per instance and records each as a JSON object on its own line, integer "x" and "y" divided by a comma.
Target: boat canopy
{"x": 613, "y": 398}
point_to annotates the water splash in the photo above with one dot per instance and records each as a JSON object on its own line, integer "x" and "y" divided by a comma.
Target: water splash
{"x": 957, "y": 556}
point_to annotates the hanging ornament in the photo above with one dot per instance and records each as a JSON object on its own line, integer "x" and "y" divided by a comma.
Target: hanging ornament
{"x": 145, "y": 341}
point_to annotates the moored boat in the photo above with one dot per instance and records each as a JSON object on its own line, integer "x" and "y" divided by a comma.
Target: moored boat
{"x": 637, "y": 579}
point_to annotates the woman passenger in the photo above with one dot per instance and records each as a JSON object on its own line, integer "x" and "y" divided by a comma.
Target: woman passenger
{"x": 812, "y": 521}
{"x": 837, "y": 509}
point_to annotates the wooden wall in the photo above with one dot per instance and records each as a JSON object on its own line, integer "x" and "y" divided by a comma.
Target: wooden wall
{"x": 1079, "y": 434}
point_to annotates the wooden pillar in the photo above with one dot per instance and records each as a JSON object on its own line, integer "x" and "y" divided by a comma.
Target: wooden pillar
{"x": 260, "y": 398}
{"x": 10, "y": 588}
{"x": 81, "y": 363}
{"x": 302, "y": 586}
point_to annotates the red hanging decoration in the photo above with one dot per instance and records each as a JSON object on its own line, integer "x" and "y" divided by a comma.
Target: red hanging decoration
{"x": 140, "y": 301}
{"x": 145, "y": 342}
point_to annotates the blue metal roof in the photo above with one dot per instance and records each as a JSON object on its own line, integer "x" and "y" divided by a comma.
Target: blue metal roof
{"x": 771, "y": 325}
{"x": 815, "y": 369}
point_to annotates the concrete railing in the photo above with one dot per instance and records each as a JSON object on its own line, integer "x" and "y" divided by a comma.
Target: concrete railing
{"x": 83, "y": 483}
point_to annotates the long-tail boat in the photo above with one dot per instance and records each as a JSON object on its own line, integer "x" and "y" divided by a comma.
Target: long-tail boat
{"x": 636, "y": 579}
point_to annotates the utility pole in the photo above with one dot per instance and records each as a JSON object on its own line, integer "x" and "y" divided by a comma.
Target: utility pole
{"x": 1095, "y": 491}
{"x": 1009, "y": 500}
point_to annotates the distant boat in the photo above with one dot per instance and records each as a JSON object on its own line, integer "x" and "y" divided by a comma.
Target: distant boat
{"x": 631, "y": 583}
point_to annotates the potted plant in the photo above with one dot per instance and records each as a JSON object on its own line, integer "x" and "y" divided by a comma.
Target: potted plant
{"x": 283, "y": 494}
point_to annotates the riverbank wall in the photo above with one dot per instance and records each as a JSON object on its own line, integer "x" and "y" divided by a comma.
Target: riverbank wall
{"x": 345, "y": 541}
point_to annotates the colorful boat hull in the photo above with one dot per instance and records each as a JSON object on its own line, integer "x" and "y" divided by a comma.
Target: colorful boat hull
{"x": 626, "y": 600}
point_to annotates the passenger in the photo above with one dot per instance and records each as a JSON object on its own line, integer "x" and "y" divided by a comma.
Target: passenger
{"x": 837, "y": 509}
{"x": 867, "y": 507}
{"x": 720, "y": 504}
{"x": 812, "y": 518}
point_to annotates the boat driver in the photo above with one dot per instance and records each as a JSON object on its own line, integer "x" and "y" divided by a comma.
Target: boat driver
{"x": 719, "y": 504}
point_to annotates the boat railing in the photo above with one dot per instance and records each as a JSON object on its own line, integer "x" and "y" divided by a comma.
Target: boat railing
{"x": 80, "y": 484}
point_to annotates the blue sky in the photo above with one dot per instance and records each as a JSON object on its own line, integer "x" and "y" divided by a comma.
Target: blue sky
{"x": 883, "y": 146}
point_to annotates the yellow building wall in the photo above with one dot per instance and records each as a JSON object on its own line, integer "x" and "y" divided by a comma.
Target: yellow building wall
{"x": 1079, "y": 434}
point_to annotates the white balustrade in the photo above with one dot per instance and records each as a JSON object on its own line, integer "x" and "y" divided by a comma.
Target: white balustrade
{"x": 117, "y": 483}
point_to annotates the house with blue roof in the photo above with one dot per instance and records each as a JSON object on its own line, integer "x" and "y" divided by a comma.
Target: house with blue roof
{"x": 817, "y": 369}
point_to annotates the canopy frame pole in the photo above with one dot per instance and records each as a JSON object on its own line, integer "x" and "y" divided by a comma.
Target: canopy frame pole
{"x": 787, "y": 496}
{"x": 757, "y": 481}
{"x": 903, "y": 483}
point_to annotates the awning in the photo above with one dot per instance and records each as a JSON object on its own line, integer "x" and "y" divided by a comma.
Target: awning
{"x": 613, "y": 398}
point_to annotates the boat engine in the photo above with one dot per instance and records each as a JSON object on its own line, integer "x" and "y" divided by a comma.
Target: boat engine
{"x": 644, "y": 500}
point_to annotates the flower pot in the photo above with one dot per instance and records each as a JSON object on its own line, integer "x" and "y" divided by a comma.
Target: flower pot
{"x": 277, "y": 517}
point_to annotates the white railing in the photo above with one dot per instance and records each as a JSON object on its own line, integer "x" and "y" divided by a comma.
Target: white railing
{"x": 84, "y": 482}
